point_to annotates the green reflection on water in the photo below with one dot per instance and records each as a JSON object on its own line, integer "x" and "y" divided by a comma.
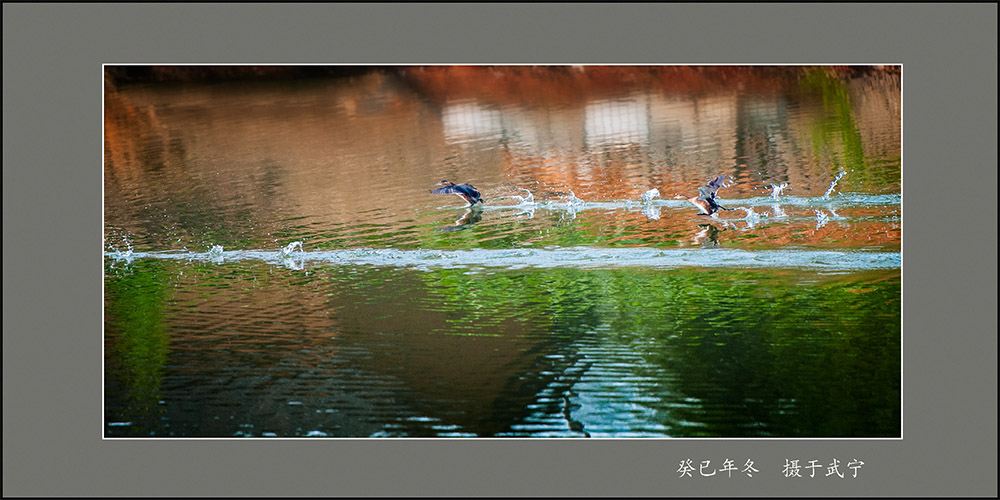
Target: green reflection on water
{"x": 836, "y": 123}
{"x": 718, "y": 352}
{"x": 767, "y": 353}
{"x": 135, "y": 329}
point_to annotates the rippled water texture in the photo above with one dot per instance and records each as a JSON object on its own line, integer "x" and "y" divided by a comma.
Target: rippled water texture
{"x": 275, "y": 264}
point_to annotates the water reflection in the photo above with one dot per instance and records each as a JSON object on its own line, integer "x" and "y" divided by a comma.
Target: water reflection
{"x": 707, "y": 236}
{"x": 466, "y": 121}
{"x": 275, "y": 264}
{"x": 503, "y": 353}
{"x": 471, "y": 216}
{"x": 616, "y": 122}
{"x": 341, "y": 162}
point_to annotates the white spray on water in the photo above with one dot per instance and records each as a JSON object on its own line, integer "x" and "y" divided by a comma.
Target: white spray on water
{"x": 826, "y": 196}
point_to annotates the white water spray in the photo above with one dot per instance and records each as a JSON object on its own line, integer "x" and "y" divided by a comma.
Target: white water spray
{"x": 573, "y": 200}
{"x": 525, "y": 200}
{"x": 752, "y": 218}
{"x": 826, "y": 195}
{"x": 216, "y": 254}
{"x": 287, "y": 251}
{"x": 120, "y": 255}
{"x": 650, "y": 195}
{"x": 821, "y": 219}
{"x": 573, "y": 257}
{"x": 651, "y": 212}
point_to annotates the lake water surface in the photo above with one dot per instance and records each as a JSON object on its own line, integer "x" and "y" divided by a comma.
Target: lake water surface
{"x": 275, "y": 265}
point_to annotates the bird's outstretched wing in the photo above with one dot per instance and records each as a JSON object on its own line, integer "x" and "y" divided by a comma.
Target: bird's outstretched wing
{"x": 446, "y": 190}
{"x": 707, "y": 192}
{"x": 466, "y": 191}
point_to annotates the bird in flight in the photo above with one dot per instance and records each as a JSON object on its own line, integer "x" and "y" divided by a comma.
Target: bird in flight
{"x": 465, "y": 191}
{"x": 705, "y": 200}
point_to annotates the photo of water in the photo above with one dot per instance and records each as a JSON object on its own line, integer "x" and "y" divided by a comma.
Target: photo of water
{"x": 618, "y": 251}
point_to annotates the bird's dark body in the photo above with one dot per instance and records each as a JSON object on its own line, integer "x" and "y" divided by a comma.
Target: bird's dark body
{"x": 465, "y": 191}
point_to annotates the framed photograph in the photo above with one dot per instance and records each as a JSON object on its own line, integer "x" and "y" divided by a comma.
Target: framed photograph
{"x": 665, "y": 251}
{"x": 470, "y": 250}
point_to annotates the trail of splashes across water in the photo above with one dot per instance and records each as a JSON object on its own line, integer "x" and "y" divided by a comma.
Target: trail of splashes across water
{"x": 575, "y": 204}
{"x": 572, "y": 257}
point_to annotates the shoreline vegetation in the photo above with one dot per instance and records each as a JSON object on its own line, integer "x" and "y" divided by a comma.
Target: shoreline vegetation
{"x": 540, "y": 81}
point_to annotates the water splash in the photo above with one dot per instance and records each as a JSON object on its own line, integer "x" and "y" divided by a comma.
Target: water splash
{"x": 127, "y": 254}
{"x": 573, "y": 200}
{"x": 776, "y": 190}
{"x": 216, "y": 254}
{"x": 119, "y": 255}
{"x": 826, "y": 195}
{"x": 573, "y": 205}
{"x": 525, "y": 200}
{"x": 751, "y": 218}
{"x": 776, "y": 211}
{"x": 821, "y": 219}
{"x": 650, "y": 195}
{"x": 577, "y": 205}
{"x": 288, "y": 260}
{"x": 651, "y": 212}
{"x": 287, "y": 251}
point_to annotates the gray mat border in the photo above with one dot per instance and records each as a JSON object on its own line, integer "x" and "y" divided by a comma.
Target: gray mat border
{"x": 52, "y": 233}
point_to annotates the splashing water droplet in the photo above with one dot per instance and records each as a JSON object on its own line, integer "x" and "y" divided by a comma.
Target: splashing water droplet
{"x": 123, "y": 256}
{"x": 120, "y": 255}
{"x": 821, "y": 219}
{"x": 776, "y": 190}
{"x": 833, "y": 184}
{"x": 650, "y": 195}
{"x": 215, "y": 253}
{"x": 525, "y": 200}
{"x": 573, "y": 200}
{"x": 752, "y": 218}
{"x": 285, "y": 252}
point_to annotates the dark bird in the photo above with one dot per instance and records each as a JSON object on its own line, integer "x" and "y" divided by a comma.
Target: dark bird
{"x": 465, "y": 191}
{"x": 706, "y": 196}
